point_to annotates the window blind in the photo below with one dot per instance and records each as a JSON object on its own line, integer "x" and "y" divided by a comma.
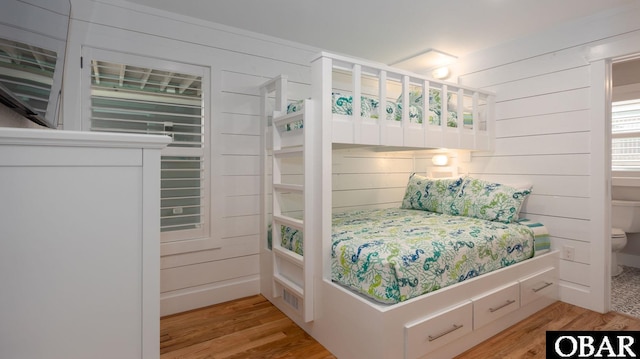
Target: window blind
{"x": 625, "y": 133}
{"x": 139, "y": 100}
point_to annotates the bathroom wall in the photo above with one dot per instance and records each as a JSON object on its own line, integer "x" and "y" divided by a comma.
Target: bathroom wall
{"x": 626, "y": 185}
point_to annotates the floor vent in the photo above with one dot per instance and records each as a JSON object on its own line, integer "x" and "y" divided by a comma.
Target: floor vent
{"x": 290, "y": 299}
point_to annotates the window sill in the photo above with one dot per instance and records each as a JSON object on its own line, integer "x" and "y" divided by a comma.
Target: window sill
{"x": 625, "y": 181}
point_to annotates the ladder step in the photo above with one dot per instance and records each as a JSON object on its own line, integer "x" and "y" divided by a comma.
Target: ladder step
{"x": 289, "y": 256}
{"x": 288, "y": 118}
{"x": 282, "y": 187}
{"x": 285, "y": 282}
{"x": 288, "y": 221}
{"x": 289, "y": 151}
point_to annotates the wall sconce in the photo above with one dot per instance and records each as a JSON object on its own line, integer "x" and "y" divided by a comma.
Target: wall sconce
{"x": 440, "y": 160}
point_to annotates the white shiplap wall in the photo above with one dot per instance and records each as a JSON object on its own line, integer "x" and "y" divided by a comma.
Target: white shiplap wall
{"x": 551, "y": 130}
{"x": 225, "y": 265}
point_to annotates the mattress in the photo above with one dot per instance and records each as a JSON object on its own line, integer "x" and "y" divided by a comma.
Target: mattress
{"x": 392, "y": 255}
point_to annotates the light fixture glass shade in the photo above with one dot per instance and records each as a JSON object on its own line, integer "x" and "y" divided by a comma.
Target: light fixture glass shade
{"x": 440, "y": 73}
{"x": 440, "y": 160}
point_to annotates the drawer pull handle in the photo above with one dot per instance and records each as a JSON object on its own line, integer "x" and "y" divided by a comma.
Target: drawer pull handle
{"x": 508, "y": 302}
{"x": 546, "y": 284}
{"x": 453, "y": 329}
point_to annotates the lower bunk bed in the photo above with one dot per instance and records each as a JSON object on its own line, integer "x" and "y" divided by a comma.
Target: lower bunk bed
{"x": 451, "y": 267}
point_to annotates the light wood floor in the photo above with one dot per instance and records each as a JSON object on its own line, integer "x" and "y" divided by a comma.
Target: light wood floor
{"x": 253, "y": 328}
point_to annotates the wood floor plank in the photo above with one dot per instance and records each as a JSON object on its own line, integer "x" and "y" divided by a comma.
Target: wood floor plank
{"x": 253, "y": 328}
{"x": 527, "y": 339}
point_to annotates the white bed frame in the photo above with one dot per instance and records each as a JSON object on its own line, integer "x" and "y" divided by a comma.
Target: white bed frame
{"x": 440, "y": 324}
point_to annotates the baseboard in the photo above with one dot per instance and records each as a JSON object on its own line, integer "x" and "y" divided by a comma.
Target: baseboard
{"x": 575, "y": 294}
{"x": 629, "y": 260}
{"x": 201, "y": 296}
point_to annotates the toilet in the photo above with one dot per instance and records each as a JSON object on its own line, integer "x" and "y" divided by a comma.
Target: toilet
{"x": 625, "y": 218}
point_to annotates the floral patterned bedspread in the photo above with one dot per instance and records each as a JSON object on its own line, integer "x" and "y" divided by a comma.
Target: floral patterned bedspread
{"x": 392, "y": 255}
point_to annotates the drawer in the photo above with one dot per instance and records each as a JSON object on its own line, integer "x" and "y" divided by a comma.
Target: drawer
{"x": 495, "y": 304}
{"x": 427, "y": 334}
{"x": 540, "y": 285}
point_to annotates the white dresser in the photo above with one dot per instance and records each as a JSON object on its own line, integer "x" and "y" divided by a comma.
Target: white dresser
{"x": 79, "y": 244}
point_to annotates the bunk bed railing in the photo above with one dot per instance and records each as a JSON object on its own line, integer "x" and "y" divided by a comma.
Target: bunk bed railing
{"x": 392, "y": 107}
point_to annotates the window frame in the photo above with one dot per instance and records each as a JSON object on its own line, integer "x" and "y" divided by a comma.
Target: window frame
{"x": 631, "y": 170}
{"x": 172, "y": 242}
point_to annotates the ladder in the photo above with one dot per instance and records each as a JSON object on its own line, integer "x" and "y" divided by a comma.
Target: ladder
{"x": 292, "y": 273}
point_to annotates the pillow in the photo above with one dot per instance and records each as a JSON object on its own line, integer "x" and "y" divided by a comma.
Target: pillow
{"x": 295, "y": 106}
{"x": 390, "y": 110}
{"x": 488, "y": 200}
{"x": 343, "y": 105}
{"x": 430, "y": 194}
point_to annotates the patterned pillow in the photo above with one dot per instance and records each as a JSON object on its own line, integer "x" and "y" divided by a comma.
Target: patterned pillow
{"x": 428, "y": 194}
{"x": 295, "y": 106}
{"x": 390, "y": 110}
{"x": 343, "y": 105}
{"x": 488, "y": 200}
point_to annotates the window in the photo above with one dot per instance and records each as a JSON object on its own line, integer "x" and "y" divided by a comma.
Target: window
{"x": 625, "y": 135}
{"x": 150, "y": 100}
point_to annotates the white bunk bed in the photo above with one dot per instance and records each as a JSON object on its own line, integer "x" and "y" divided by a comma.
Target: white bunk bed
{"x": 439, "y": 324}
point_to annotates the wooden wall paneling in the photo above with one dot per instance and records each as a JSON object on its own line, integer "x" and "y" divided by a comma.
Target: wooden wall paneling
{"x": 239, "y": 103}
{"x": 544, "y": 92}
{"x": 229, "y": 248}
{"x": 189, "y": 30}
{"x": 568, "y": 164}
{"x": 571, "y": 37}
{"x": 241, "y": 205}
{"x": 582, "y": 249}
{"x": 366, "y": 197}
{"x": 566, "y": 207}
{"x": 237, "y": 165}
{"x": 238, "y": 124}
{"x": 50, "y": 22}
{"x": 542, "y": 84}
{"x": 241, "y": 185}
{"x": 208, "y": 272}
{"x": 355, "y": 181}
{"x": 196, "y": 297}
{"x": 240, "y": 144}
{"x": 569, "y": 228}
{"x": 550, "y": 185}
{"x": 575, "y": 272}
{"x": 547, "y": 144}
{"x": 560, "y": 122}
{"x": 544, "y": 104}
{"x": 239, "y": 226}
{"x": 539, "y": 65}
{"x": 365, "y": 165}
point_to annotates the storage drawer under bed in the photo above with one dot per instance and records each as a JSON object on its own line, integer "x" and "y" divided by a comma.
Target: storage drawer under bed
{"x": 495, "y": 304}
{"x": 539, "y": 285}
{"x": 427, "y": 334}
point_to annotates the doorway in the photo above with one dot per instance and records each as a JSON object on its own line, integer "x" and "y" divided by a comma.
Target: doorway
{"x": 625, "y": 183}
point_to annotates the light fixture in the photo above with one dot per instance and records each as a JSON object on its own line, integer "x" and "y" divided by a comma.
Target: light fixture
{"x": 440, "y": 73}
{"x": 440, "y": 160}
{"x": 425, "y": 61}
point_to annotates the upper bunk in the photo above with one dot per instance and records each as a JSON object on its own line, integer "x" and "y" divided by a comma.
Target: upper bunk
{"x": 398, "y": 108}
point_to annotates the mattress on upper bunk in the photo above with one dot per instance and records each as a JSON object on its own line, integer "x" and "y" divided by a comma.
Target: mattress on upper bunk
{"x": 342, "y": 104}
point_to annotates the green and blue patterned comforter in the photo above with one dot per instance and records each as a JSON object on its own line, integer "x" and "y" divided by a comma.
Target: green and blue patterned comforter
{"x": 392, "y": 255}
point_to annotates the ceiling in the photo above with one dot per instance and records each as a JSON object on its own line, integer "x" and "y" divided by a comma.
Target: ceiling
{"x": 388, "y": 31}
